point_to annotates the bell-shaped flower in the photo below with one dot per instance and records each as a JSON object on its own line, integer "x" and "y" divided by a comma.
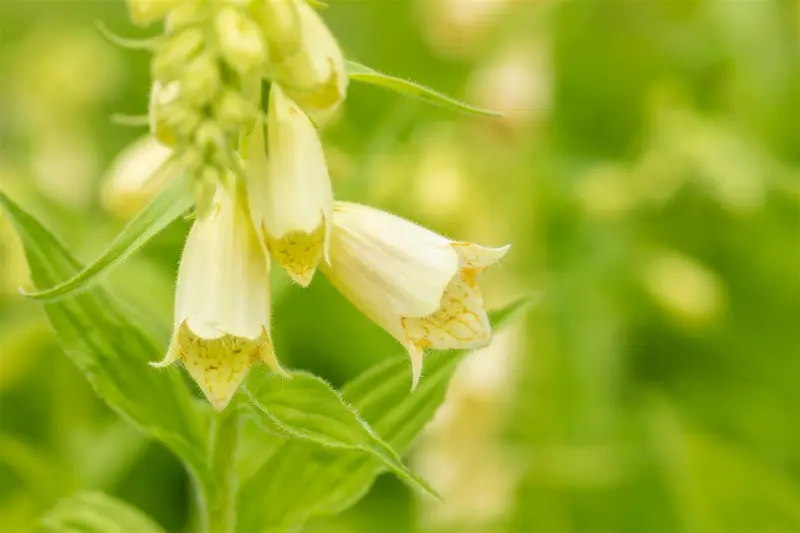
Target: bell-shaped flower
{"x": 222, "y": 300}
{"x": 315, "y": 76}
{"x": 290, "y": 191}
{"x": 417, "y": 285}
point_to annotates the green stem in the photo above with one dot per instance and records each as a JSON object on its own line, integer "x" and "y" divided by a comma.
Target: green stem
{"x": 225, "y": 438}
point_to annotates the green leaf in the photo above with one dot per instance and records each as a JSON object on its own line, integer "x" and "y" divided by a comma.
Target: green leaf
{"x": 306, "y": 407}
{"x": 723, "y": 475}
{"x": 114, "y": 354}
{"x": 174, "y": 200}
{"x": 363, "y": 73}
{"x": 301, "y": 480}
{"x": 95, "y": 512}
{"x": 39, "y": 472}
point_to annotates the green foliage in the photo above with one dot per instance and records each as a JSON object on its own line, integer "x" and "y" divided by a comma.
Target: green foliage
{"x": 303, "y": 406}
{"x": 721, "y": 477}
{"x": 113, "y": 353}
{"x": 173, "y": 201}
{"x": 300, "y": 481}
{"x": 94, "y": 512}
{"x": 365, "y": 74}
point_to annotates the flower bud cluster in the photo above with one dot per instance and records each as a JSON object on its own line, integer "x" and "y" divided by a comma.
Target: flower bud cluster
{"x": 208, "y": 67}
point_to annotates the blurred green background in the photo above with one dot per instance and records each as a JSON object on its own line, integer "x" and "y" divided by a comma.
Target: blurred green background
{"x": 646, "y": 174}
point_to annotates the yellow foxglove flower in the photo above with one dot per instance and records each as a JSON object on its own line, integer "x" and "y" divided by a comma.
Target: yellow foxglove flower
{"x": 290, "y": 192}
{"x": 222, "y": 300}
{"x": 315, "y": 77}
{"x": 414, "y": 283}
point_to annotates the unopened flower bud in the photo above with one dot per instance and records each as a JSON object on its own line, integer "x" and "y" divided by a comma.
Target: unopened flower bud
{"x": 281, "y": 24}
{"x": 233, "y": 110}
{"x": 185, "y": 14}
{"x": 315, "y": 77}
{"x": 160, "y": 97}
{"x": 205, "y": 185}
{"x": 172, "y": 56}
{"x": 210, "y": 136}
{"x": 201, "y": 81}
{"x": 240, "y": 40}
{"x": 171, "y": 118}
{"x": 147, "y": 11}
{"x": 190, "y": 159}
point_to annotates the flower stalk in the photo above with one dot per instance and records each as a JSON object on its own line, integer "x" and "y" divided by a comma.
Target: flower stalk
{"x": 221, "y": 513}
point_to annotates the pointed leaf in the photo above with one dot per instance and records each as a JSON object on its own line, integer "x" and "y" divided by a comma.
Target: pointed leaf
{"x": 113, "y": 353}
{"x": 363, "y": 73}
{"x": 174, "y": 200}
{"x": 95, "y": 512}
{"x": 306, "y": 407}
{"x": 301, "y": 480}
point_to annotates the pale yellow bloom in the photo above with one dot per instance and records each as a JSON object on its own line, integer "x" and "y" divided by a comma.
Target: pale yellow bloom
{"x": 315, "y": 76}
{"x": 417, "y": 285}
{"x": 135, "y": 176}
{"x": 290, "y": 192}
{"x": 222, "y": 311}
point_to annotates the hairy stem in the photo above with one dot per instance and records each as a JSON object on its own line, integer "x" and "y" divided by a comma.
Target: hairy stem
{"x": 225, "y": 437}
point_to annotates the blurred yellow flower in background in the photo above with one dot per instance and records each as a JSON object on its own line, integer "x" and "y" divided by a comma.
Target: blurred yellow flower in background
{"x": 683, "y": 287}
